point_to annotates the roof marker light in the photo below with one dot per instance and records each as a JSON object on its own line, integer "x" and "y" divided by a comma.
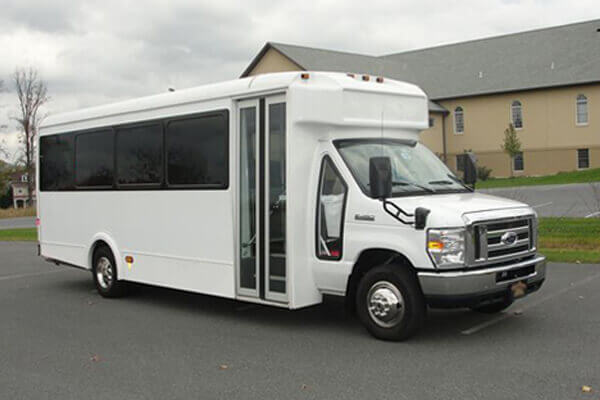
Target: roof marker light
{"x": 351, "y": 75}
{"x": 379, "y": 79}
{"x": 305, "y": 75}
{"x": 366, "y": 78}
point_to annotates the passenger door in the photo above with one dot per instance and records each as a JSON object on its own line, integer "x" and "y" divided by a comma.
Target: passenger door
{"x": 262, "y": 216}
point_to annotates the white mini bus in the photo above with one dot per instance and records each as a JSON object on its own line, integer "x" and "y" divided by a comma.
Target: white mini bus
{"x": 279, "y": 189}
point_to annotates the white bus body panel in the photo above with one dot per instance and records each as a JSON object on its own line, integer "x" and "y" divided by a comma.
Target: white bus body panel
{"x": 188, "y": 239}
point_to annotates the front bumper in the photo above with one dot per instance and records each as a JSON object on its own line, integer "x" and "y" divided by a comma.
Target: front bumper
{"x": 475, "y": 287}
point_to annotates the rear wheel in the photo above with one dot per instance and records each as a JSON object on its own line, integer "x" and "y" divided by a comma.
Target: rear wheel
{"x": 389, "y": 302}
{"x": 104, "y": 272}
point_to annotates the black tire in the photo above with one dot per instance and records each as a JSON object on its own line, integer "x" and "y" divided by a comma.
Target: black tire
{"x": 494, "y": 308}
{"x": 104, "y": 260}
{"x": 392, "y": 279}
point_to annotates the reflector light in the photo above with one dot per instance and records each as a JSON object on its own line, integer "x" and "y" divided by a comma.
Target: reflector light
{"x": 37, "y": 222}
{"x": 366, "y": 78}
{"x": 434, "y": 245}
{"x": 304, "y": 75}
{"x": 335, "y": 253}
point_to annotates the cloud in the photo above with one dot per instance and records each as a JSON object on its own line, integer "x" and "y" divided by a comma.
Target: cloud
{"x": 92, "y": 52}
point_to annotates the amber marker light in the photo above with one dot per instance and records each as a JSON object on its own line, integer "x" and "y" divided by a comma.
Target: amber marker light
{"x": 305, "y": 75}
{"x": 435, "y": 245}
{"x": 129, "y": 260}
{"x": 366, "y": 78}
{"x": 379, "y": 79}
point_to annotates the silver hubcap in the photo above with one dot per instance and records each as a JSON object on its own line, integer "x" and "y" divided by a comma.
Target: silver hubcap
{"x": 104, "y": 273}
{"x": 385, "y": 304}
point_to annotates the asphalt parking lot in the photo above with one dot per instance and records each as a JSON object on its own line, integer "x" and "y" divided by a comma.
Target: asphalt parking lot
{"x": 59, "y": 339}
{"x": 573, "y": 200}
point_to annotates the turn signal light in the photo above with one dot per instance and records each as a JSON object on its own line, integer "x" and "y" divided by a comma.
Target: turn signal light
{"x": 129, "y": 260}
{"x": 435, "y": 245}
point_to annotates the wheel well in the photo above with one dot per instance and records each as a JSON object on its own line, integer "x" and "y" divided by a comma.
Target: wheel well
{"x": 97, "y": 245}
{"x": 367, "y": 260}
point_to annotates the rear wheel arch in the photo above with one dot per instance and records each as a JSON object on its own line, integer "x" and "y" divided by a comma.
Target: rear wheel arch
{"x": 103, "y": 240}
{"x": 367, "y": 260}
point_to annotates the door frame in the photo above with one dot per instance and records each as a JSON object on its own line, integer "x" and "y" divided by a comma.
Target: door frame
{"x": 260, "y": 293}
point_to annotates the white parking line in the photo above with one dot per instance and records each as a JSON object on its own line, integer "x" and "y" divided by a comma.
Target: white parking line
{"x": 592, "y": 214}
{"x": 543, "y": 205}
{"x": 19, "y": 276}
{"x": 504, "y": 316}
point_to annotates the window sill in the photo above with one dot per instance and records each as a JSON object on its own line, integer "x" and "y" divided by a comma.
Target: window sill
{"x": 582, "y": 125}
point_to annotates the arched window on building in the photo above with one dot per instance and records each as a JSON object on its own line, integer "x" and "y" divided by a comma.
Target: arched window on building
{"x": 582, "y": 110}
{"x": 459, "y": 120}
{"x": 516, "y": 114}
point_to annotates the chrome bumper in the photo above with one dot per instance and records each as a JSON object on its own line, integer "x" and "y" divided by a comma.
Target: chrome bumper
{"x": 480, "y": 281}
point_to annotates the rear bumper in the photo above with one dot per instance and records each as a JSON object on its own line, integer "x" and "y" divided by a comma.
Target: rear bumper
{"x": 470, "y": 288}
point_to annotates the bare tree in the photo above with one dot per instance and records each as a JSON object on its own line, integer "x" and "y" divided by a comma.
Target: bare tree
{"x": 3, "y": 151}
{"x": 32, "y": 94}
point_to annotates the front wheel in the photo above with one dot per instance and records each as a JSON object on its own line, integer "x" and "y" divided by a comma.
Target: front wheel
{"x": 389, "y": 302}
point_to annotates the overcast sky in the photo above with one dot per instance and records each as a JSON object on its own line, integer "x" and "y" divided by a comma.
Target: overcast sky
{"x": 96, "y": 52}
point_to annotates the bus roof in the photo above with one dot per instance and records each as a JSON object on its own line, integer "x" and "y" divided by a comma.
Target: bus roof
{"x": 237, "y": 88}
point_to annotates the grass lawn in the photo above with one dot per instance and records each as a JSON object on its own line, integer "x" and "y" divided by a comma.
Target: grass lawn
{"x": 570, "y": 239}
{"x": 17, "y": 212}
{"x": 21, "y": 234}
{"x": 560, "y": 239}
{"x": 590, "y": 175}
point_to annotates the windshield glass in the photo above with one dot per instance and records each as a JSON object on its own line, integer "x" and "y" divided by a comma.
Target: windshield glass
{"x": 415, "y": 169}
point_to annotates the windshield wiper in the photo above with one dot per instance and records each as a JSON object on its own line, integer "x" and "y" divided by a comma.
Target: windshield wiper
{"x": 441, "y": 182}
{"x": 415, "y": 184}
{"x": 455, "y": 179}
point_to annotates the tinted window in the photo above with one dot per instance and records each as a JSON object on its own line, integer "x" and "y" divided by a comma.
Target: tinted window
{"x": 94, "y": 159}
{"x": 330, "y": 212}
{"x": 197, "y": 151}
{"x": 56, "y": 162}
{"x": 139, "y": 155}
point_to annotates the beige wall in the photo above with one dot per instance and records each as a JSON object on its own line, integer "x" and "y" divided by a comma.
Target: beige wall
{"x": 433, "y": 137}
{"x": 274, "y": 61}
{"x": 550, "y": 137}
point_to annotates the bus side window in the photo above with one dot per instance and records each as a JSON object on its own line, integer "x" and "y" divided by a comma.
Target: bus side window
{"x": 331, "y": 203}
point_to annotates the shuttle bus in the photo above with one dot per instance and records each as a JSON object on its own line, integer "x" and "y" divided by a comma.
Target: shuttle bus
{"x": 279, "y": 189}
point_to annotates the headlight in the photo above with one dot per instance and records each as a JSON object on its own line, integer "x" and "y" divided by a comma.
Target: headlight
{"x": 447, "y": 247}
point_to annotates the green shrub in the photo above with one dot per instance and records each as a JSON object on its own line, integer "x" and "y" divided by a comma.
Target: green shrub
{"x": 483, "y": 173}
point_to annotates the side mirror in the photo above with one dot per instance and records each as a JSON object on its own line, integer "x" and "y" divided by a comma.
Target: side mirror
{"x": 421, "y": 218}
{"x": 380, "y": 177}
{"x": 470, "y": 172}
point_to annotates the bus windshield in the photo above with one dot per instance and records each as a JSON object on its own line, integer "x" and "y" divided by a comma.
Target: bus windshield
{"x": 415, "y": 169}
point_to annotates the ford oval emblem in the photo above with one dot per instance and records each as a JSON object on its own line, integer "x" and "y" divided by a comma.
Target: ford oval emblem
{"x": 509, "y": 238}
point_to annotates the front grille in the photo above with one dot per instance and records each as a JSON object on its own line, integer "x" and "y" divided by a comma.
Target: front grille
{"x": 504, "y": 239}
